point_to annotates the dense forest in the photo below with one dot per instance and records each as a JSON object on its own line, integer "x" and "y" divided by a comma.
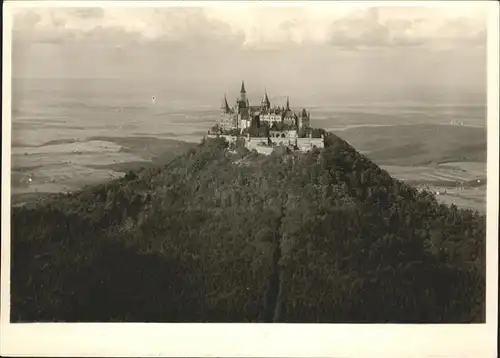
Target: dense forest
{"x": 220, "y": 235}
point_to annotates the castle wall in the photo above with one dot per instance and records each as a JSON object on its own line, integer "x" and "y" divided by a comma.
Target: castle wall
{"x": 283, "y": 141}
{"x": 287, "y": 134}
{"x": 229, "y": 138}
{"x": 260, "y": 143}
{"x": 306, "y": 144}
{"x": 271, "y": 118}
{"x": 289, "y": 120}
{"x": 244, "y": 123}
{"x": 258, "y": 147}
{"x": 228, "y": 121}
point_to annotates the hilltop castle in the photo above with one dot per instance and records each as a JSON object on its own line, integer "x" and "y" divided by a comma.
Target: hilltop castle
{"x": 243, "y": 115}
{"x": 263, "y": 127}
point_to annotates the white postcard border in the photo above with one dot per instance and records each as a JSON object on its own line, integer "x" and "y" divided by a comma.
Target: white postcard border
{"x": 256, "y": 340}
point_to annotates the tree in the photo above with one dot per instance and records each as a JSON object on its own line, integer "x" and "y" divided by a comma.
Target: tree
{"x": 323, "y": 236}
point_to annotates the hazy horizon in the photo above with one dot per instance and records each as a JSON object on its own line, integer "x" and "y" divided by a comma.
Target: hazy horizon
{"x": 210, "y": 96}
{"x": 319, "y": 49}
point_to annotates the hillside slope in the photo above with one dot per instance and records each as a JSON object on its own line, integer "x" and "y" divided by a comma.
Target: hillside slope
{"x": 419, "y": 144}
{"x": 222, "y": 236}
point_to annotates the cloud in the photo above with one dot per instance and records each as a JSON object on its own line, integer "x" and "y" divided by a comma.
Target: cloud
{"x": 118, "y": 26}
{"x": 92, "y": 12}
{"x": 367, "y": 29}
{"x": 361, "y": 28}
{"x": 26, "y": 20}
{"x": 254, "y": 27}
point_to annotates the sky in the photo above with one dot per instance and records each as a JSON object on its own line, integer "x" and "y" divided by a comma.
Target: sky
{"x": 320, "y": 47}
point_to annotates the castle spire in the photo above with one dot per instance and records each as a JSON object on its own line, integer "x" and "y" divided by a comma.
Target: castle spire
{"x": 225, "y": 106}
{"x": 268, "y": 103}
{"x": 287, "y": 104}
{"x": 243, "y": 95}
{"x": 265, "y": 100}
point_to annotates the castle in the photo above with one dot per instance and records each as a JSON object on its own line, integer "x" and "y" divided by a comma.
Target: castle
{"x": 263, "y": 127}
{"x": 243, "y": 115}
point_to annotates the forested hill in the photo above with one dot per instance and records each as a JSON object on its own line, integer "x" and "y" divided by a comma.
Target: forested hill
{"x": 233, "y": 236}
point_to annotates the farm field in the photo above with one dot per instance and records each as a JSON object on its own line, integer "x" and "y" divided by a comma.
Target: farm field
{"x": 420, "y": 144}
{"x": 445, "y": 174}
{"x": 449, "y": 160}
{"x": 459, "y": 183}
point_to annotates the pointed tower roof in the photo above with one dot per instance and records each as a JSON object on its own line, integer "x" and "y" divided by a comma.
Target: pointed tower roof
{"x": 265, "y": 99}
{"x": 287, "y": 104}
{"x": 225, "y": 106}
{"x": 243, "y": 87}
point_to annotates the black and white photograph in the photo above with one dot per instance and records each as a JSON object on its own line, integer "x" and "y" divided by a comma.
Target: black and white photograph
{"x": 321, "y": 164}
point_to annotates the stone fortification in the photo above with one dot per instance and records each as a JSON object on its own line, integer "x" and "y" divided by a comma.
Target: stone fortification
{"x": 266, "y": 146}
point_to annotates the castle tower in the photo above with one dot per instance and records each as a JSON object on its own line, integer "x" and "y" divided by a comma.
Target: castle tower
{"x": 265, "y": 101}
{"x": 287, "y": 104}
{"x": 225, "y": 106}
{"x": 243, "y": 92}
{"x": 242, "y": 101}
{"x": 227, "y": 116}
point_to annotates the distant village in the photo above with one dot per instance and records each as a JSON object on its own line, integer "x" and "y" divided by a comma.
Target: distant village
{"x": 264, "y": 126}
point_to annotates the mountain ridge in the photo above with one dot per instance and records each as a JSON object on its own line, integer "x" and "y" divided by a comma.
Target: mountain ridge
{"x": 322, "y": 236}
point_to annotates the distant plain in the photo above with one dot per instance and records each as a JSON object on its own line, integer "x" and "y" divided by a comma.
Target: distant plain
{"x": 67, "y": 134}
